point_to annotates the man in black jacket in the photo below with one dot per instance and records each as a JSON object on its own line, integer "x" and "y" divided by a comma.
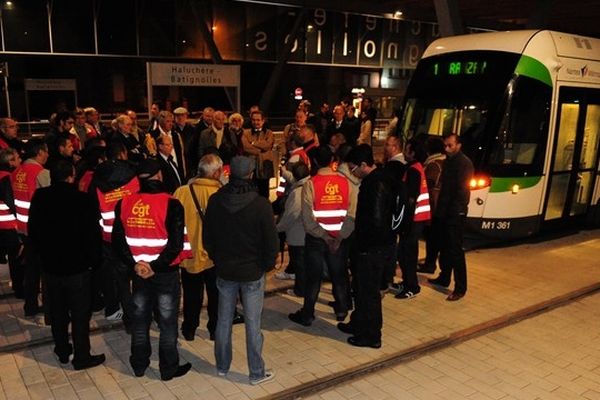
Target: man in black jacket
{"x": 451, "y": 209}
{"x": 376, "y": 244}
{"x": 67, "y": 272}
{"x": 148, "y": 236}
{"x": 240, "y": 237}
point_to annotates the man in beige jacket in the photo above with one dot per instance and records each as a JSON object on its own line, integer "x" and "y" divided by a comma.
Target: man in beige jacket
{"x": 199, "y": 272}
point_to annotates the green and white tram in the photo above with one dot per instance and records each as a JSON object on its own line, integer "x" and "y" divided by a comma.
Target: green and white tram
{"x": 526, "y": 105}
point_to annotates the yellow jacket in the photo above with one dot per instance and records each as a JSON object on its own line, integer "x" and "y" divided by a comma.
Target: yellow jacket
{"x": 204, "y": 188}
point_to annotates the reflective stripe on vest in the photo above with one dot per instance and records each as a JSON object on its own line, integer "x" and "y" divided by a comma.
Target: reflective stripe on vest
{"x": 330, "y": 203}
{"x": 23, "y": 181}
{"x": 143, "y": 216}
{"x": 8, "y": 221}
{"x": 422, "y": 207}
{"x": 108, "y": 201}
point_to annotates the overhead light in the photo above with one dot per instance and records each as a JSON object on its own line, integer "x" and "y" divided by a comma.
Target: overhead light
{"x": 397, "y": 14}
{"x": 214, "y": 28}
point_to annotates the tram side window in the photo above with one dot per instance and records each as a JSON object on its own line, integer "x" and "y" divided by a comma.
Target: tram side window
{"x": 523, "y": 130}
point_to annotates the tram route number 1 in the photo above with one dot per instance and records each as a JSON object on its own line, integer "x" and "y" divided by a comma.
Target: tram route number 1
{"x": 499, "y": 225}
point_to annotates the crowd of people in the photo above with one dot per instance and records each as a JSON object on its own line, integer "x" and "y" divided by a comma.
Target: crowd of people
{"x": 131, "y": 220}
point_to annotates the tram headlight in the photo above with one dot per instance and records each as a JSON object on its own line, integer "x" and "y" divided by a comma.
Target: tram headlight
{"x": 480, "y": 182}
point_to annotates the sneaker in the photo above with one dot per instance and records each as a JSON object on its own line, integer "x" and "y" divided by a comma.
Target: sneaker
{"x": 284, "y": 276}
{"x": 267, "y": 377}
{"x": 396, "y": 288}
{"x": 407, "y": 294}
{"x": 116, "y": 316}
{"x": 221, "y": 373}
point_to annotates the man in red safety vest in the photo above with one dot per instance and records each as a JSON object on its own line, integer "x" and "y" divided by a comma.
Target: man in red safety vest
{"x": 328, "y": 217}
{"x": 417, "y": 207}
{"x": 30, "y": 176}
{"x": 149, "y": 237}
{"x": 9, "y": 239}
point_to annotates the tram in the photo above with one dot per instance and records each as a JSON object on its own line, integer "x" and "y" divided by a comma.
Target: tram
{"x": 526, "y": 105}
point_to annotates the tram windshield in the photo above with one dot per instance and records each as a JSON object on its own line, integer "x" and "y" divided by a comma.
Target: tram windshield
{"x": 502, "y": 118}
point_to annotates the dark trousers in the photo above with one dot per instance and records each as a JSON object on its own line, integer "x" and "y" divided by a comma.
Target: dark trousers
{"x": 408, "y": 255}
{"x": 317, "y": 252}
{"x": 70, "y": 302}
{"x": 193, "y": 296}
{"x": 367, "y": 318}
{"x": 160, "y": 293}
{"x": 296, "y": 254}
{"x": 452, "y": 255}
{"x": 104, "y": 286}
{"x": 32, "y": 278}
{"x": 389, "y": 270}
{"x": 432, "y": 235}
{"x": 16, "y": 268}
{"x": 263, "y": 187}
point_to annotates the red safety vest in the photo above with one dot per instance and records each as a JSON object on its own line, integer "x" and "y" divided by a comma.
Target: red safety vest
{"x": 422, "y": 207}
{"x": 85, "y": 180}
{"x": 282, "y": 182}
{"x": 8, "y": 221}
{"x": 109, "y": 200}
{"x": 24, "y": 185}
{"x": 143, "y": 216}
{"x": 330, "y": 202}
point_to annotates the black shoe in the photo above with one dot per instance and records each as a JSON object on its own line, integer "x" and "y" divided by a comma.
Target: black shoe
{"x": 346, "y": 328}
{"x": 64, "y": 357}
{"x": 139, "y": 373}
{"x": 32, "y": 312}
{"x": 89, "y": 363}
{"x": 181, "y": 371}
{"x": 454, "y": 296}
{"x": 425, "y": 268}
{"x": 340, "y": 317}
{"x": 188, "y": 335}
{"x": 298, "y": 318}
{"x": 238, "y": 319}
{"x": 362, "y": 342}
{"x": 438, "y": 282}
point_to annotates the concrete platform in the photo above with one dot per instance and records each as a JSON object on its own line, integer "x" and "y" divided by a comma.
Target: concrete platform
{"x": 505, "y": 284}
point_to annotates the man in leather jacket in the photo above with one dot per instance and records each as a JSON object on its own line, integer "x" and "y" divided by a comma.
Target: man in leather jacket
{"x": 376, "y": 245}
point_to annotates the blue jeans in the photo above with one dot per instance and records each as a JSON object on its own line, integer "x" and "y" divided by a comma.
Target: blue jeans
{"x": 253, "y": 294}
{"x": 161, "y": 292}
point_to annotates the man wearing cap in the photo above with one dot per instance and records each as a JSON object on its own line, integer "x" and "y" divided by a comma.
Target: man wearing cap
{"x": 190, "y": 139}
{"x": 149, "y": 237}
{"x": 240, "y": 237}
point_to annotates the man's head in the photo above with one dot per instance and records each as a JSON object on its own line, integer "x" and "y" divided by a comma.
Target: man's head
{"x": 219, "y": 120}
{"x": 452, "y": 144}
{"x": 242, "y": 167}
{"x": 165, "y": 120}
{"x": 253, "y": 109}
{"x": 367, "y": 102}
{"x": 154, "y": 110}
{"x": 338, "y": 113}
{"x": 37, "y": 150}
{"x": 62, "y": 171}
{"x": 124, "y": 124}
{"x": 414, "y": 150}
{"x": 91, "y": 115}
{"x": 165, "y": 145}
{"x": 65, "y": 146}
{"x": 207, "y": 115}
{"x": 323, "y": 156}
{"x": 360, "y": 160}
{"x": 392, "y": 147}
{"x": 79, "y": 116}
{"x": 181, "y": 115}
{"x": 258, "y": 120}
{"x": 132, "y": 115}
{"x": 300, "y": 118}
{"x": 9, "y": 128}
{"x": 149, "y": 169}
{"x": 64, "y": 121}
{"x": 210, "y": 166}
{"x": 10, "y": 159}
{"x": 324, "y": 108}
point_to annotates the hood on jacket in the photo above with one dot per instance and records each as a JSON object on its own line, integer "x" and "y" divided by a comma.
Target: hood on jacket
{"x": 112, "y": 174}
{"x": 238, "y": 194}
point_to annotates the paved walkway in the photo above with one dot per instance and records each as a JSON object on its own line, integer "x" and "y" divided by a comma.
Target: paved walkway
{"x": 502, "y": 283}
